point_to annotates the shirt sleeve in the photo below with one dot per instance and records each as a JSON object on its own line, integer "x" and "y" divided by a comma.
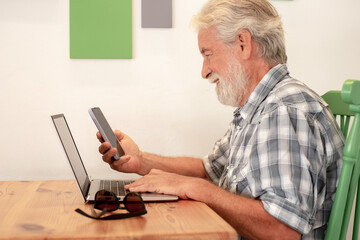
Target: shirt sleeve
{"x": 287, "y": 167}
{"x": 217, "y": 160}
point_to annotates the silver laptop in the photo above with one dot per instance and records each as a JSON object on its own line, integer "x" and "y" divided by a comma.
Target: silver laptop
{"x": 87, "y": 186}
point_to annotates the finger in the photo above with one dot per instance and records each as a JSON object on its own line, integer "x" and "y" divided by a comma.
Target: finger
{"x": 143, "y": 188}
{"x": 124, "y": 159}
{"x": 140, "y": 186}
{"x": 155, "y": 171}
{"x": 148, "y": 186}
{"x": 108, "y": 156}
{"x": 135, "y": 183}
{"x": 104, "y": 147}
{"x": 124, "y": 164}
{"x": 98, "y": 135}
{"x": 119, "y": 164}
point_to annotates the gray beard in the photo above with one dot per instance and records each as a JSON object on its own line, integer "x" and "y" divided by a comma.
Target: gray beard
{"x": 231, "y": 88}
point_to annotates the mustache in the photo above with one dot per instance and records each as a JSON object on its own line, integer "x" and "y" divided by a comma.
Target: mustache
{"x": 213, "y": 77}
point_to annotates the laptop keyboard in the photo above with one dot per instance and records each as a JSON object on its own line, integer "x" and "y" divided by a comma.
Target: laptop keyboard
{"x": 115, "y": 186}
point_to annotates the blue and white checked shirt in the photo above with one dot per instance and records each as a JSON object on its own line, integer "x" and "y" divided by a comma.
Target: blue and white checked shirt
{"x": 284, "y": 148}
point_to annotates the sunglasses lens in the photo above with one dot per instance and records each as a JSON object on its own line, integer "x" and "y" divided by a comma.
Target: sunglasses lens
{"x": 105, "y": 199}
{"x": 134, "y": 202}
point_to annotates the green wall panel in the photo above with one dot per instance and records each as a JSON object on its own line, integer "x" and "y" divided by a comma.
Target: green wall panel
{"x": 101, "y": 29}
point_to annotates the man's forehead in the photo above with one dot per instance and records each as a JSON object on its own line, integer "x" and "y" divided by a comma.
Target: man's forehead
{"x": 207, "y": 33}
{"x": 206, "y": 36}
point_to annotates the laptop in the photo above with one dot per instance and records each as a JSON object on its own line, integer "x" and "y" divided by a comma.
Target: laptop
{"x": 88, "y": 187}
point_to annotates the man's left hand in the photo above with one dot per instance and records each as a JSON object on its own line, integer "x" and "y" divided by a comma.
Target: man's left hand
{"x": 167, "y": 183}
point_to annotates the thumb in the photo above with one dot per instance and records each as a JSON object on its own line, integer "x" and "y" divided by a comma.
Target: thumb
{"x": 124, "y": 164}
{"x": 120, "y": 135}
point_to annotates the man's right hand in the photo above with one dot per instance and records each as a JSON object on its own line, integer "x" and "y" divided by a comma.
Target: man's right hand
{"x": 130, "y": 162}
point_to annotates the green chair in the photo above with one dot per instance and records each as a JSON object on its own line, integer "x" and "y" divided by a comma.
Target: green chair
{"x": 340, "y": 109}
{"x": 349, "y": 178}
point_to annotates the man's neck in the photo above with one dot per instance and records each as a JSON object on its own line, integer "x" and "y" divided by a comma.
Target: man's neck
{"x": 255, "y": 71}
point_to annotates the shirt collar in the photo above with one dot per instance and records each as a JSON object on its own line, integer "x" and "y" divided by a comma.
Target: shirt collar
{"x": 262, "y": 90}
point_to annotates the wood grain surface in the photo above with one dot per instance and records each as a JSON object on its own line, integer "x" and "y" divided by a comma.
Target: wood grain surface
{"x": 45, "y": 210}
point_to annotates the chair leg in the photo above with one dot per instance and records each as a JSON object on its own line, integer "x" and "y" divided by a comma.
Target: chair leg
{"x": 357, "y": 215}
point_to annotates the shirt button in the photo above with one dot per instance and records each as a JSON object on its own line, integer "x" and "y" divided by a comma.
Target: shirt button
{"x": 227, "y": 167}
{"x": 238, "y": 128}
{"x": 234, "y": 177}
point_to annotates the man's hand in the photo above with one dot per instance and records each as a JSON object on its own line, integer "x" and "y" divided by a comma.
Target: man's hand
{"x": 167, "y": 183}
{"x": 130, "y": 162}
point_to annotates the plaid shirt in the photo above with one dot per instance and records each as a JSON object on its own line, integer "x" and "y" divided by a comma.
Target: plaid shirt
{"x": 283, "y": 148}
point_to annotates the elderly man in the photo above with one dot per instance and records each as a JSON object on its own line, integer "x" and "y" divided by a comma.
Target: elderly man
{"x": 274, "y": 173}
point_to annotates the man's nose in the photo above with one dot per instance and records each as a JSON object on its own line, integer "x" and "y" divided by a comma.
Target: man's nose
{"x": 206, "y": 71}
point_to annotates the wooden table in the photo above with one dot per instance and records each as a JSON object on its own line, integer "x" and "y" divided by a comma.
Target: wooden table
{"x": 45, "y": 210}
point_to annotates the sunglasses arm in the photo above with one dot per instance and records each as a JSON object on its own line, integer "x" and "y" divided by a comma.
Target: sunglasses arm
{"x": 111, "y": 217}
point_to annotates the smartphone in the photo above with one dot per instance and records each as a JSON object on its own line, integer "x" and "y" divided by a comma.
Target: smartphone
{"x": 106, "y": 131}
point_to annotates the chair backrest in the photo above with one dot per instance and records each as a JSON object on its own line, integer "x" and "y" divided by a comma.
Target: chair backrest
{"x": 349, "y": 178}
{"x": 339, "y": 108}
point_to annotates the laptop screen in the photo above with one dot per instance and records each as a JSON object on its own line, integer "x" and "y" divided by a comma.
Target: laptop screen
{"x": 72, "y": 153}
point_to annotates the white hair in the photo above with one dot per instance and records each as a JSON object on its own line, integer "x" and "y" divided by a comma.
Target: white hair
{"x": 258, "y": 17}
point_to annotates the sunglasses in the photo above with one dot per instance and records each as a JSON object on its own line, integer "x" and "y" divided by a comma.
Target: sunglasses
{"x": 107, "y": 201}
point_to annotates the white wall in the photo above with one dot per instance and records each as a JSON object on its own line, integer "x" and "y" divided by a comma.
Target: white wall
{"x": 158, "y": 97}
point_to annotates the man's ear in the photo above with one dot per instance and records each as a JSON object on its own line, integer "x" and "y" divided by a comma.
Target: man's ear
{"x": 244, "y": 44}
